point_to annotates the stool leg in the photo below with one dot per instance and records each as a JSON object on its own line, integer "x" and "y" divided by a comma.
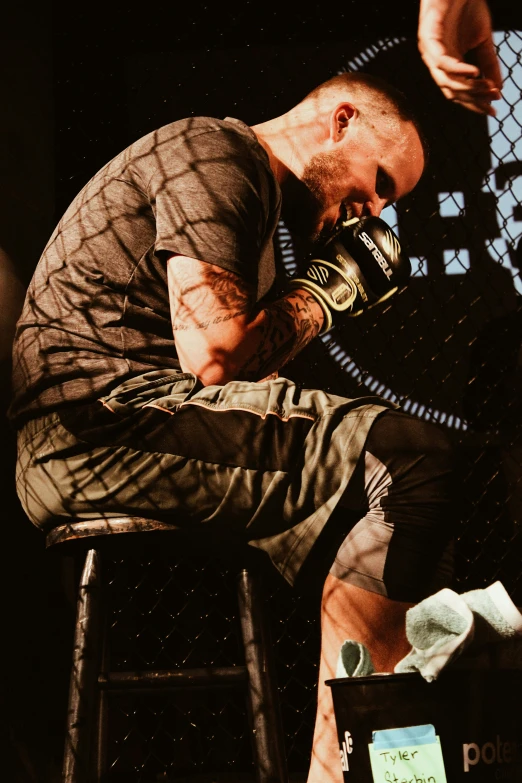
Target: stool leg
{"x": 77, "y": 761}
{"x": 267, "y": 731}
{"x": 103, "y": 705}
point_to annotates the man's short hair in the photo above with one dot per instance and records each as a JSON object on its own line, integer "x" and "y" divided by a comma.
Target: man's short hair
{"x": 373, "y": 87}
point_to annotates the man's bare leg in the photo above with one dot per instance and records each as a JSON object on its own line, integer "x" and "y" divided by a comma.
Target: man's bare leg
{"x": 348, "y": 612}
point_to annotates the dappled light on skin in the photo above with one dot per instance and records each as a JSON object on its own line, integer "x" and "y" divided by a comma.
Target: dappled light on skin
{"x": 221, "y": 335}
{"x": 350, "y": 613}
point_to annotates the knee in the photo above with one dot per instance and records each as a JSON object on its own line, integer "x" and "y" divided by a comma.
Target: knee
{"x": 434, "y": 442}
{"x": 397, "y": 434}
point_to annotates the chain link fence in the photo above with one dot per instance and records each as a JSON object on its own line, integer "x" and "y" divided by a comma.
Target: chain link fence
{"x": 447, "y": 349}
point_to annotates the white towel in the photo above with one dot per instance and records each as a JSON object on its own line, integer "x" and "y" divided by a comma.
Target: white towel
{"x": 445, "y": 625}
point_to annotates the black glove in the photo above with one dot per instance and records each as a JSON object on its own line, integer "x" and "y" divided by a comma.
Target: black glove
{"x": 360, "y": 266}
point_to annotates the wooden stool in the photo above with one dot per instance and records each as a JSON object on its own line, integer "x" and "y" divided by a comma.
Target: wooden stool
{"x": 91, "y": 678}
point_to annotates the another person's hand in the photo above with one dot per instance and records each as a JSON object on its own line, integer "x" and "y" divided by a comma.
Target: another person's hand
{"x": 447, "y": 31}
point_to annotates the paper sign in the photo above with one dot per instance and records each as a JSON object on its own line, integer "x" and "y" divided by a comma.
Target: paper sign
{"x": 409, "y": 755}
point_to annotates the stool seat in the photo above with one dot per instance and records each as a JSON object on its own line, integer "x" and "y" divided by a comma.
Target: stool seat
{"x": 87, "y": 528}
{"x": 91, "y": 676}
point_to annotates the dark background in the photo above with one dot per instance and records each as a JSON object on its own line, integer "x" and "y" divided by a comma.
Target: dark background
{"x": 80, "y": 83}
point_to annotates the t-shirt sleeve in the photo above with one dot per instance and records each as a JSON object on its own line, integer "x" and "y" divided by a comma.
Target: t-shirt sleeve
{"x": 207, "y": 197}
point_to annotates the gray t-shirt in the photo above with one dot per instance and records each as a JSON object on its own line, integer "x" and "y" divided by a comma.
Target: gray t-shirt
{"x": 97, "y": 309}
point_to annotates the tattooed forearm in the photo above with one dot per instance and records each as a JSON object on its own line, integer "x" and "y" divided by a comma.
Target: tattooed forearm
{"x": 284, "y": 329}
{"x": 211, "y": 296}
{"x": 222, "y": 334}
{"x": 178, "y": 325}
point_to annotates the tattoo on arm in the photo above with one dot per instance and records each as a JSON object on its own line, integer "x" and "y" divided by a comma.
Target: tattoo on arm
{"x": 270, "y": 334}
{"x": 209, "y": 297}
{"x": 287, "y": 327}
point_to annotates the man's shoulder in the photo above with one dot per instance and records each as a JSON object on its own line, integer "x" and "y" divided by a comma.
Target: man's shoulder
{"x": 179, "y": 142}
{"x": 194, "y": 144}
{"x": 186, "y": 148}
{"x": 228, "y": 132}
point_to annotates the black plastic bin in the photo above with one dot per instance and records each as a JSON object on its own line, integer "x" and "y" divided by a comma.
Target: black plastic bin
{"x": 475, "y": 716}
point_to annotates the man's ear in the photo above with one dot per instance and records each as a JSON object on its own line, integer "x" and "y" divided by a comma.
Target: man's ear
{"x": 340, "y": 120}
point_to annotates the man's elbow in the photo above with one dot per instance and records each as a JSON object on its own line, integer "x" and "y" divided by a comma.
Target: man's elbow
{"x": 214, "y": 376}
{"x": 210, "y": 372}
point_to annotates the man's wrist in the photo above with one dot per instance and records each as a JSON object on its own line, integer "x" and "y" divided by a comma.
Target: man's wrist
{"x": 314, "y": 299}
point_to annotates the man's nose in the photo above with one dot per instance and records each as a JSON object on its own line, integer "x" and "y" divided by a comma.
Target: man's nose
{"x": 374, "y": 206}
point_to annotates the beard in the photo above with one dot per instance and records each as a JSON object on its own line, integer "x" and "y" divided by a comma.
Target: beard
{"x": 305, "y": 200}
